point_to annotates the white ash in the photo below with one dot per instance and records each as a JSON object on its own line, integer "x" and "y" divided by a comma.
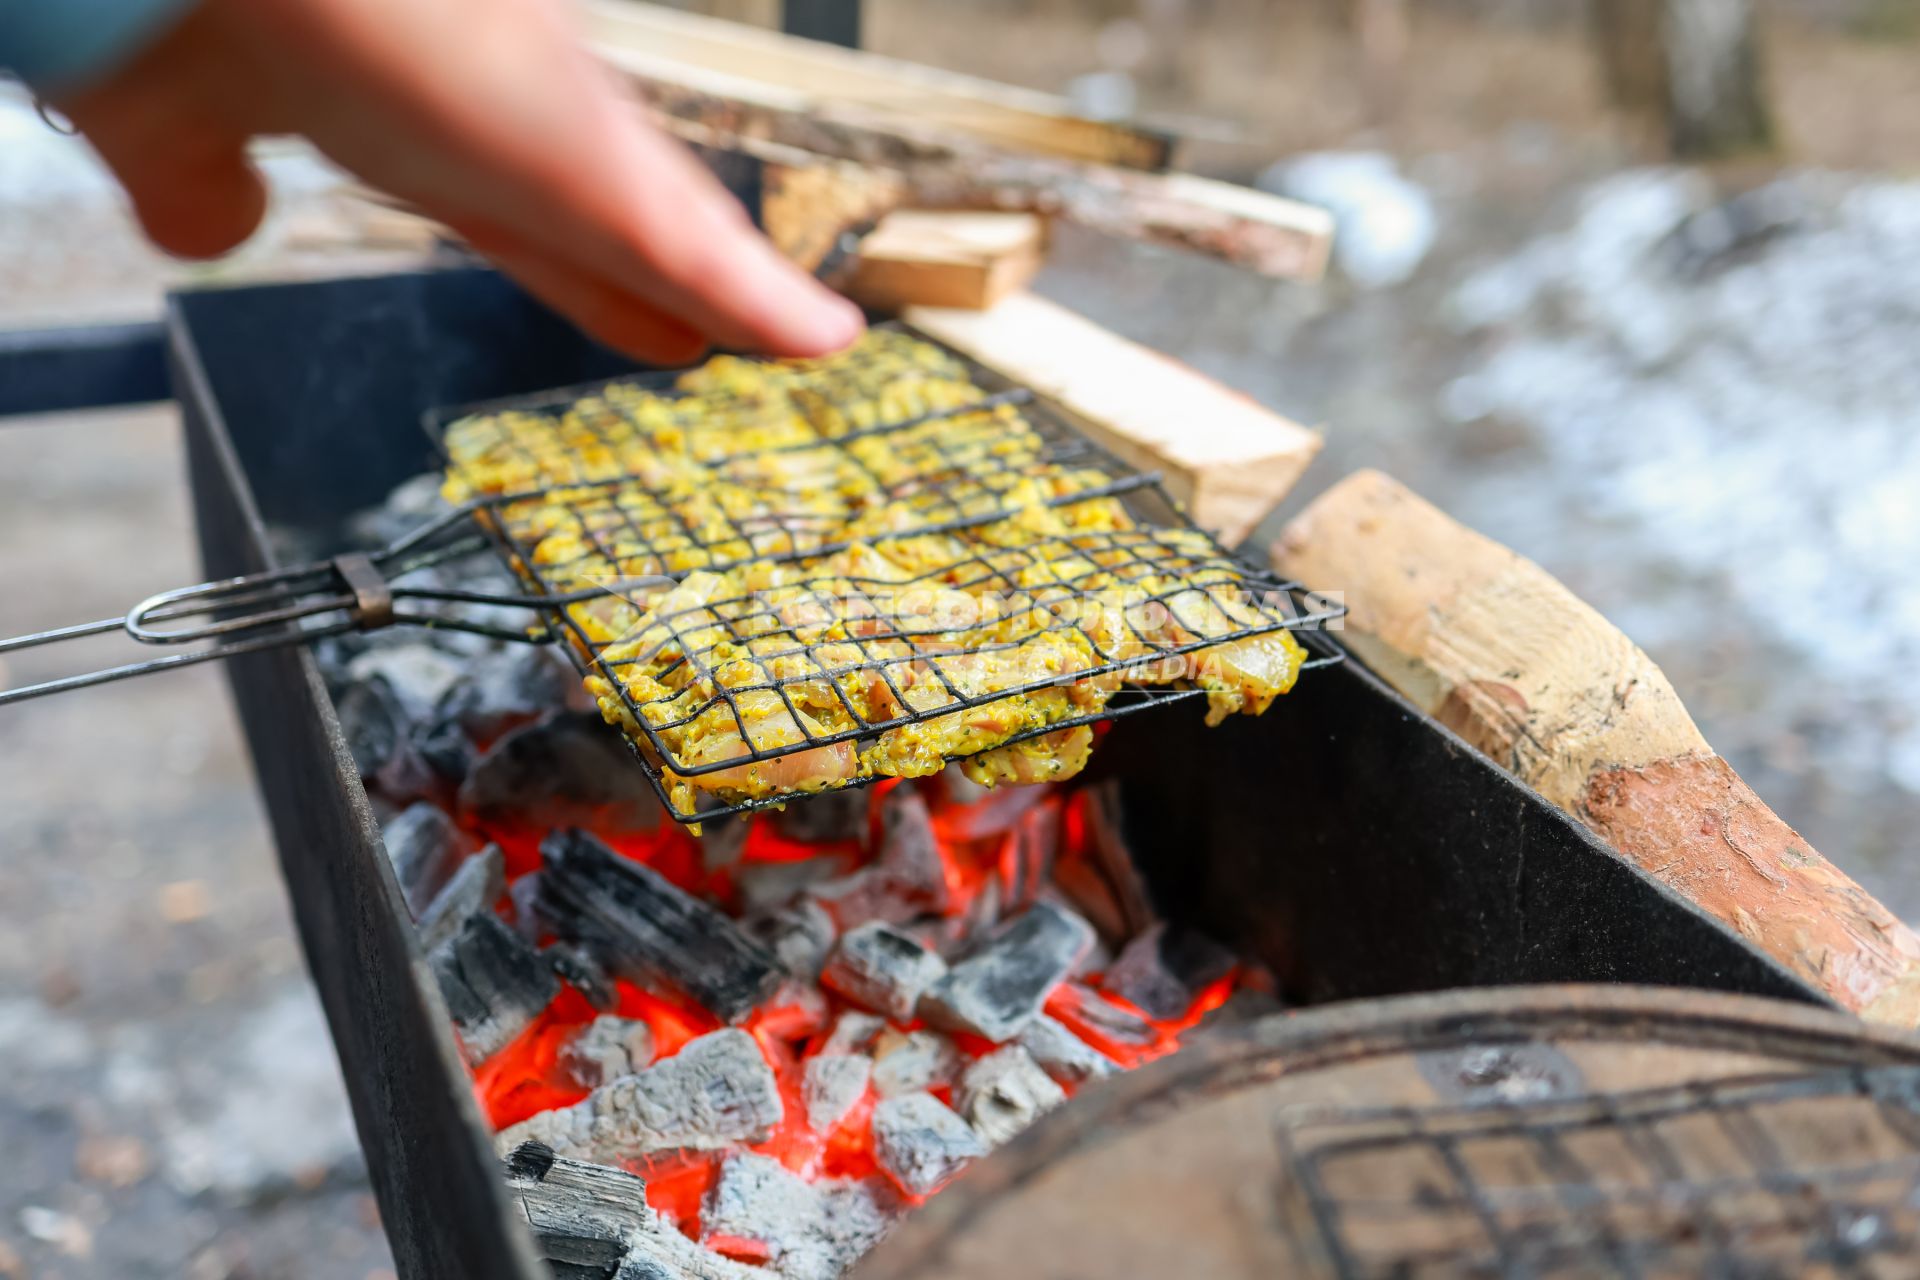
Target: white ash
{"x": 509, "y": 687}
{"x": 854, "y": 1032}
{"x": 1004, "y": 1092}
{"x": 832, "y": 1084}
{"x": 921, "y": 1142}
{"x": 913, "y": 1061}
{"x": 878, "y": 967}
{"x": 1062, "y": 1054}
{"x": 606, "y": 1049}
{"x": 813, "y": 1231}
{"x": 717, "y": 1091}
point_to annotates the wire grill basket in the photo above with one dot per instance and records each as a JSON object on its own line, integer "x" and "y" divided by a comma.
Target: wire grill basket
{"x": 1797, "y": 1175}
{"x": 782, "y": 579}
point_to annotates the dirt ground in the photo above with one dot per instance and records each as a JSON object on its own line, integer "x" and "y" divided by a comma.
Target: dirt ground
{"x": 173, "y": 1106}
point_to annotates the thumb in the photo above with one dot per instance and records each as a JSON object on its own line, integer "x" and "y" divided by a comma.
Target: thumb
{"x": 196, "y": 198}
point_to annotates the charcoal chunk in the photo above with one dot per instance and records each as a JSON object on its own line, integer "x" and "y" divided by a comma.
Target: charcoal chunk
{"x": 1165, "y": 969}
{"x": 379, "y": 733}
{"x": 799, "y": 935}
{"x": 582, "y": 970}
{"x": 853, "y": 1032}
{"x": 907, "y": 877}
{"x": 474, "y": 887}
{"x": 1062, "y": 1054}
{"x": 717, "y": 1091}
{"x": 998, "y": 991}
{"x": 912, "y": 1062}
{"x": 493, "y": 982}
{"x": 811, "y": 1230}
{"x": 880, "y": 968}
{"x": 446, "y": 751}
{"x": 416, "y": 672}
{"x": 1003, "y": 1093}
{"x": 649, "y": 931}
{"x": 823, "y": 819}
{"x": 425, "y": 847}
{"x": 503, "y": 690}
{"x": 592, "y": 1221}
{"x": 921, "y": 1143}
{"x": 569, "y": 769}
{"x": 831, "y": 1085}
{"x": 606, "y": 1049}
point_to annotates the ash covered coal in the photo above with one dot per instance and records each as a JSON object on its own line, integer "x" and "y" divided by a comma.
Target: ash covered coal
{"x": 746, "y": 1051}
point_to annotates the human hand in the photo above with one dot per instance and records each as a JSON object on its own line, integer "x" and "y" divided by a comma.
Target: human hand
{"x": 488, "y": 115}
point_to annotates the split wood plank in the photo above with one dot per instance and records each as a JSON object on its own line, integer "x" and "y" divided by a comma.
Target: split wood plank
{"x": 1500, "y": 652}
{"x": 1227, "y": 458}
{"x": 820, "y": 75}
{"x": 964, "y": 260}
{"x": 938, "y": 169}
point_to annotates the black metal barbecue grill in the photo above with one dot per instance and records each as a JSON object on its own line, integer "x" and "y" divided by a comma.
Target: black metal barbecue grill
{"x": 1347, "y": 841}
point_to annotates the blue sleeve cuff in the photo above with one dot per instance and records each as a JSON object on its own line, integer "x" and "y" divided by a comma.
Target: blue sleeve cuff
{"x": 57, "y": 45}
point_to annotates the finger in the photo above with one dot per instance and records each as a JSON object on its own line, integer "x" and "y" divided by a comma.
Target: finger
{"x": 196, "y": 199}
{"x": 617, "y": 319}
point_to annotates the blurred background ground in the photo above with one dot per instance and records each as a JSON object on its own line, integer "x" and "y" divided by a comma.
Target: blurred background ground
{"x": 1690, "y": 394}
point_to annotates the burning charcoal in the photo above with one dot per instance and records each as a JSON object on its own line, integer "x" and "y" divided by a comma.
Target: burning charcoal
{"x": 962, "y": 934}
{"x": 799, "y": 935}
{"x": 582, "y": 1214}
{"x": 1165, "y": 969}
{"x": 425, "y": 848}
{"x": 718, "y": 1090}
{"x": 831, "y": 1086}
{"x": 979, "y": 812}
{"x": 810, "y": 1231}
{"x": 569, "y": 769}
{"x": 1003, "y": 1093}
{"x": 1100, "y": 878}
{"x": 579, "y": 969}
{"x": 1108, "y": 1021}
{"x": 921, "y": 1143}
{"x": 823, "y": 819}
{"x": 378, "y": 733}
{"x": 649, "y": 931}
{"x": 589, "y": 1220}
{"x": 913, "y": 1061}
{"x": 765, "y": 884}
{"x": 474, "y": 887}
{"x": 1062, "y": 1054}
{"x": 606, "y": 1049}
{"x": 523, "y": 891}
{"x": 417, "y": 673}
{"x": 505, "y": 689}
{"x": 446, "y": 750}
{"x": 908, "y": 876}
{"x": 880, "y": 968}
{"x": 493, "y": 982}
{"x": 998, "y": 991}
{"x": 721, "y": 841}
{"x": 853, "y": 1032}
{"x": 1036, "y": 842}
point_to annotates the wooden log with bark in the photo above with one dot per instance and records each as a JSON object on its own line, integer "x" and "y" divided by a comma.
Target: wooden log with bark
{"x": 938, "y": 168}
{"x": 1500, "y": 652}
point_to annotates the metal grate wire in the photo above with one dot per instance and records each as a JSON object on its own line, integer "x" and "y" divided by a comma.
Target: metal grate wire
{"x": 1815, "y": 1174}
{"x": 638, "y": 501}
